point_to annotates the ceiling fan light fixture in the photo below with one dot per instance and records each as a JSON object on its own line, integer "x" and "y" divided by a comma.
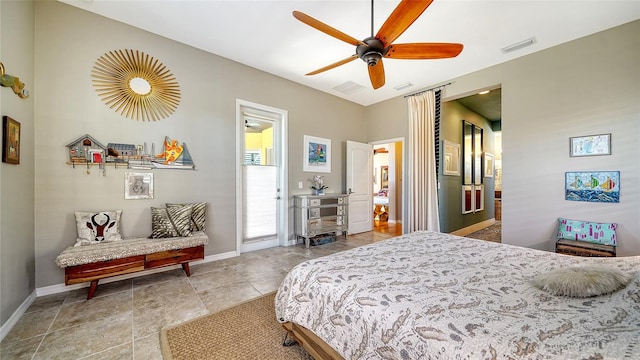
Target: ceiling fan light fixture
{"x": 372, "y": 52}
{"x": 372, "y": 58}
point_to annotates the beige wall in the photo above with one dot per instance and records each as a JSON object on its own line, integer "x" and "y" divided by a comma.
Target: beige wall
{"x": 17, "y": 276}
{"x": 587, "y": 86}
{"x": 68, "y": 41}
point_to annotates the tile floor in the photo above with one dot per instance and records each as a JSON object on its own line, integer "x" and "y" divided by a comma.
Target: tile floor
{"x": 124, "y": 319}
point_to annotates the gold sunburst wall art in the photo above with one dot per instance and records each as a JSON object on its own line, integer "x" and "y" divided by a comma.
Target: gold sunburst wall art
{"x": 136, "y": 85}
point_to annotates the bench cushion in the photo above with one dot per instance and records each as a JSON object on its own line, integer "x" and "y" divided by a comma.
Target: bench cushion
{"x": 80, "y": 255}
{"x": 593, "y": 232}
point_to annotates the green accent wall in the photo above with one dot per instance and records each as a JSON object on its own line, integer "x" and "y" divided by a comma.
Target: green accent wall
{"x": 450, "y": 194}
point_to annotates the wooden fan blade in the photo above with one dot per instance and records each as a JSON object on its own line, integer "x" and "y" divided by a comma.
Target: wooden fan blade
{"x": 424, "y": 51}
{"x": 319, "y": 25}
{"x": 400, "y": 19}
{"x": 336, "y": 64}
{"x": 376, "y": 75}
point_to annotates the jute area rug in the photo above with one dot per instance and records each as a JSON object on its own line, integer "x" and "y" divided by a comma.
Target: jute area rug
{"x": 491, "y": 233}
{"x": 246, "y": 331}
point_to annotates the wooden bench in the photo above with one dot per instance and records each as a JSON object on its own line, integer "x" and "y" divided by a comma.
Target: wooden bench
{"x": 583, "y": 248}
{"x": 90, "y": 263}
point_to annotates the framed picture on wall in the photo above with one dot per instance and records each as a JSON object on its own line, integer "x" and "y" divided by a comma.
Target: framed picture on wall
{"x": 10, "y": 141}
{"x": 138, "y": 185}
{"x": 488, "y": 165}
{"x": 316, "y": 154}
{"x": 590, "y": 145}
{"x": 592, "y": 186}
{"x": 451, "y": 158}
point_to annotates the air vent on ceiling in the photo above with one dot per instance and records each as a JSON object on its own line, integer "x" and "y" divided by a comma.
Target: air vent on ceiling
{"x": 348, "y": 87}
{"x": 403, "y": 86}
{"x": 519, "y": 45}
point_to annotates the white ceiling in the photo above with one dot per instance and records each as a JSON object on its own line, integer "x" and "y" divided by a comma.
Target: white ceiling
{"x": 263, "y": 34}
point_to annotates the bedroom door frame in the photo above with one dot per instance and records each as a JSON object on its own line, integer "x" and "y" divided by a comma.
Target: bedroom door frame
{"x": 403, "y": 174}
{"x": 280, "y": 117}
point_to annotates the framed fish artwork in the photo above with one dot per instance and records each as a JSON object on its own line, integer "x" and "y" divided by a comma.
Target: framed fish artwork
{"x": 593, "y": 186}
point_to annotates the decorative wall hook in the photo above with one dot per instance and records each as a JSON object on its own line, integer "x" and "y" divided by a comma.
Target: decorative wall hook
{"x": 13, "y": 82}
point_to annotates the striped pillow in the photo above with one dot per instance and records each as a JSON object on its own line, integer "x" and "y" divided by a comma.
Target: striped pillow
{"x": 171, "y": 221}
{"x": 198, "y": 217}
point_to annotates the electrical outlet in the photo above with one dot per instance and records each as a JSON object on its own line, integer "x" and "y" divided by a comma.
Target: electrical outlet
{"x": 299, "y": 184}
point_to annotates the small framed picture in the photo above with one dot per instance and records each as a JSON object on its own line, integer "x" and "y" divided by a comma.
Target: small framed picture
{"x": 10, "y": 141}
{"x": 590, "y": 145}
{"x": 138, "y": 185}
{"x": 451, "y": 158}
{"x": 488, "y": 165}
{"x": 316, "y": 154}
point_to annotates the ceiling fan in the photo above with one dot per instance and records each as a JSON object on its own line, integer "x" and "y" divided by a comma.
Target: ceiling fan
{"x": 372, "y": 49}
{"x": 252, "y": 126}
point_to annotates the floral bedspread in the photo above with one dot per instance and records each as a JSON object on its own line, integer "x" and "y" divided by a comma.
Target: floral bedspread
{"x": 430, "y": 295}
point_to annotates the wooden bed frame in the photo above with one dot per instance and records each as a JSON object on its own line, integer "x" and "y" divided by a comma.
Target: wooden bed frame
{"x": 315, "y": 346}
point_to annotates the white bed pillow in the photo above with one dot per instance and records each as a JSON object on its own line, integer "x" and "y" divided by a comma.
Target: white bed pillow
{"x": 582, "y": 281}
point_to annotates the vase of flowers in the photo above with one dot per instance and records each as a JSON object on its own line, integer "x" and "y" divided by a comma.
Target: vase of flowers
{"x": 318, "y": 186}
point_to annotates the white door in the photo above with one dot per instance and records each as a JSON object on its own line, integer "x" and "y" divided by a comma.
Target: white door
{"x": 261, "y": 208}
{"x": 360, "y": 186}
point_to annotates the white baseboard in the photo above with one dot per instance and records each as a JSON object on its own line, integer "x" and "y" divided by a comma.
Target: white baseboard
{"x": 11, "y": 322}
{"x": 58, "y": 288}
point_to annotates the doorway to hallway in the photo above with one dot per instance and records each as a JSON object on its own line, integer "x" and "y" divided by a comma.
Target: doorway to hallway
{"x": 388, "y": 186}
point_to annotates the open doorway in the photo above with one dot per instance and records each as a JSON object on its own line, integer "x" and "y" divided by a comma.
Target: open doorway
{"x": 262, "y": 182}
{"x": 483, "y": 109}
{"x": 388, "y": 186}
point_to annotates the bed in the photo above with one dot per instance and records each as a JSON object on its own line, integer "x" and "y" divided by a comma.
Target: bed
{"x": 381, "y": 205}
{"x": 429, "y": 295}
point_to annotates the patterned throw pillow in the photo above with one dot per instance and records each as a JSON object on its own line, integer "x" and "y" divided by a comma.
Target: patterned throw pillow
{"x": 593, "y": 232}
{"x": 98, "y": 227}
{"x": 198, "y": 217}
{"x": 171, "y": 222}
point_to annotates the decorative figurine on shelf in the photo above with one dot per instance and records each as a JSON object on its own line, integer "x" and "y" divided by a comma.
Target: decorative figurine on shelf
{"x": 317, "y": 184}
{"x": 174, "y": 156}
